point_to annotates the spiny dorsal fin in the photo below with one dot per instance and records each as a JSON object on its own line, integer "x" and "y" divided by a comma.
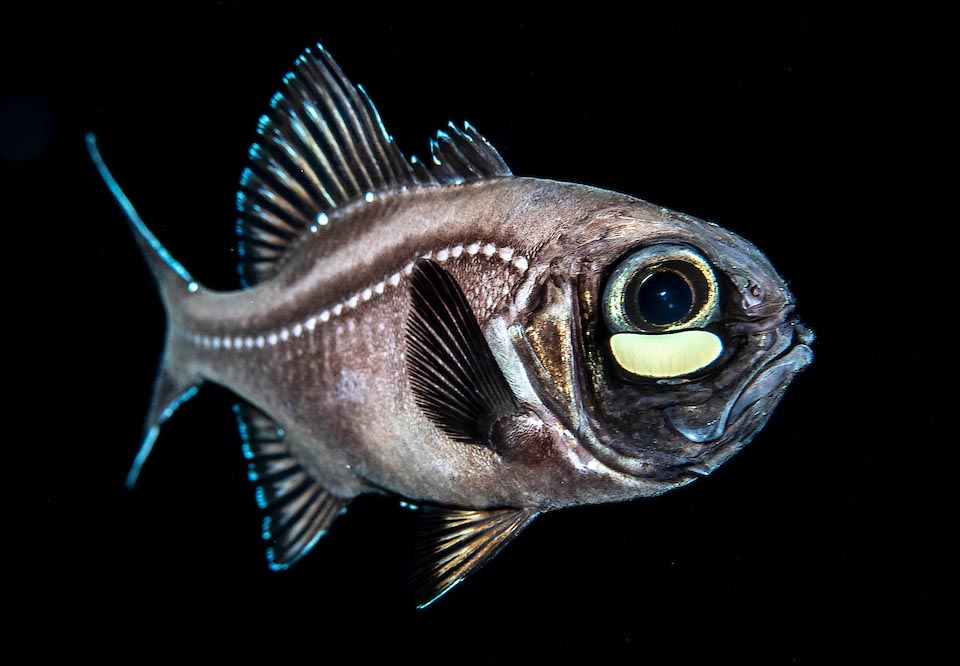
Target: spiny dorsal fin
{"x": 461, "y": 155}
{"x": 454, "y": 376}
{"x": 322, "y": 145}
{"x": 298, "y": 511}
{"x": 456, "y": 542}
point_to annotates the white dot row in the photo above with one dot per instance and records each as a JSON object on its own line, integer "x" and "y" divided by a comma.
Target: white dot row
{"x": 505, "y": 254}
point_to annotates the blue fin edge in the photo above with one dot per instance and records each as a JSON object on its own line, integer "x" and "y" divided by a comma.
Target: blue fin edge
{"x": 134, "y": 217}
{"x": 147, "y": 446}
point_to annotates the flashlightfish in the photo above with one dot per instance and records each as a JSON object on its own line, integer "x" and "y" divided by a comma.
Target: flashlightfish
{"x": 483, "y": 346}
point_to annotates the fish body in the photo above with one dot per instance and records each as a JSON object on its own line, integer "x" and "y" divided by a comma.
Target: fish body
{"x": 491, "y": 346}
{"x": 332, "y": 365}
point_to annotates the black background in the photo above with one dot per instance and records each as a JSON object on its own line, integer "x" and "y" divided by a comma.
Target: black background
{"x": 797, "y": 128}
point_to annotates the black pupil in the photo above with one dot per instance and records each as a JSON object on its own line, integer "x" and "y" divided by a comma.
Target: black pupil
{"x": 664, "y": 297}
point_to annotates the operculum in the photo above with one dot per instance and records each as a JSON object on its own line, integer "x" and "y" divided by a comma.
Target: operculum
{"x": 547, "y": 341}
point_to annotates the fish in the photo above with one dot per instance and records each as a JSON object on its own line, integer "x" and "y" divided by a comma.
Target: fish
{"x": 481, "y": 346}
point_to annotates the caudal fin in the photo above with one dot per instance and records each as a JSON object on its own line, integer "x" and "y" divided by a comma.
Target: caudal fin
{"x": 173, "y": 385}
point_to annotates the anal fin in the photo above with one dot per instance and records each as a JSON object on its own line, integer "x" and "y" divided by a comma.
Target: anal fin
{"x": 298, "y": 510}
{"x": 456, "y": 542}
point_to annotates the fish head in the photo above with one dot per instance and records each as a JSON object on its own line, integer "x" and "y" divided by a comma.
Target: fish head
{"x": 663, "y": 342}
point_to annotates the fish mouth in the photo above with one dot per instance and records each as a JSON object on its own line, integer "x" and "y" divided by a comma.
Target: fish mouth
{"x": 748, "y": 407}
{"x": 776, "y": 374}
{"x": 715, "y": 431}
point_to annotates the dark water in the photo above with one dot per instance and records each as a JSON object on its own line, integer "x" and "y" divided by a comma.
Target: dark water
{"x": 827, "y": 535}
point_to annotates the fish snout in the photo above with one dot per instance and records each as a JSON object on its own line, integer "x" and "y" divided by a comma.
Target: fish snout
{"x": 740, "y": 411}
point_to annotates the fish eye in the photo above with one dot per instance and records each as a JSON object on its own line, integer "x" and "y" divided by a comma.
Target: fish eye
{"x": 659, "y": 289}
{"x": 664, "y": 297}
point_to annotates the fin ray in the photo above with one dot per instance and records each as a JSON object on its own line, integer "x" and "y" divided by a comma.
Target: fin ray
{"x": 457, "y": 542}
{"x": 298, "y": 510}
{"x": 322, "y": 145}
{"x": 455, "y": 378}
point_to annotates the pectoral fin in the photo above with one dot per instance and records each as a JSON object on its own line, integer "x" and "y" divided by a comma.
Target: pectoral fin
{"x": 453, "y": 374}
{"x": 456, "y": 542}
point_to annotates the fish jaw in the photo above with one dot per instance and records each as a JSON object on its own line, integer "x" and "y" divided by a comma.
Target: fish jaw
{"x": 750, "y": 405}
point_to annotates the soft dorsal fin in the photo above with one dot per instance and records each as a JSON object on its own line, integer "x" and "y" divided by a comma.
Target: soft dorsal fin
{"x": 322, "y": 145}
{"x": 456, "y": 542}
{"x": 298, "y": 511}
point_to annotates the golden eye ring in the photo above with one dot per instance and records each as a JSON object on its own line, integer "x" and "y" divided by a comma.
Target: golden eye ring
{"x": 656, "y": 304}
{"x": 655, "y": 281}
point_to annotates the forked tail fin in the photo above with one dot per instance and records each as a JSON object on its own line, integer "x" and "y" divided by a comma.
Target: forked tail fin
{"x": 173, "y": 385}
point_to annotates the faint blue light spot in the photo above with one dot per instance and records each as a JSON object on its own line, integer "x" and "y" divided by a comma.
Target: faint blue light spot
{"x": 142, "y": 456}
{"x": 172, "y": 407}
{"x": 265, "y": 533}
{"x": 272, "y": 561}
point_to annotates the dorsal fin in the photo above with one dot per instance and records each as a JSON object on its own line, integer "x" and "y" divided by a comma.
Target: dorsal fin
{"x": 298, "y": 510}
{"x": 321, "y": 146}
